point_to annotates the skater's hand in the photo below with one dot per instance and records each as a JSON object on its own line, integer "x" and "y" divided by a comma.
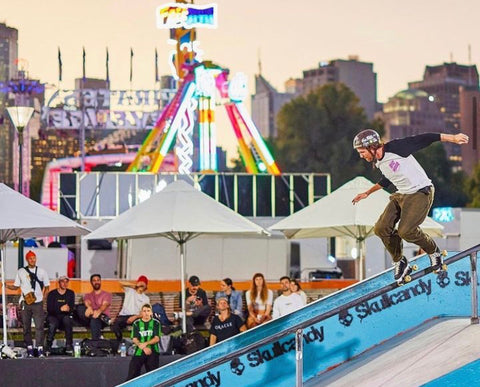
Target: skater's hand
{"x": 359, "y": 197}
{"x": 461, "y": 138}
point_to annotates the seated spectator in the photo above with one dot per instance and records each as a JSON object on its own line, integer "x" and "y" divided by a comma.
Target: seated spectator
{"x": 288, "y": 301}
{"x": 259, "y": 301}
{"x": 296, "y": 288}
{"x": 135, "y": 298}
{"x": 225, "y": 324}
{"x": 95, "y": 311}
{"x": 60, "y": 307}
{"x": 196, "y": 302}
{"x": 146, "y": 334}
{"x": 233, "y": 296}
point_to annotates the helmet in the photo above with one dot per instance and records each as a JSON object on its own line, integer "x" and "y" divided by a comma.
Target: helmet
{"x": 367, "y": 138}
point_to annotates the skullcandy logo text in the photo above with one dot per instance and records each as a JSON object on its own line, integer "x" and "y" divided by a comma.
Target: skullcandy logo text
{"x": 366, "y": 308}
{"x": 210, "y": 379}
{"x": 278, "y": 348}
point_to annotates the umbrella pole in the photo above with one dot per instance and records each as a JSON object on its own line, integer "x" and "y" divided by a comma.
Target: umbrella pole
{"x": 4, "y": 297}
{"x": 182, "y": 269}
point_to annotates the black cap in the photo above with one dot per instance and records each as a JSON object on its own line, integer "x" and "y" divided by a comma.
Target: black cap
{"x": 194, "y": 280}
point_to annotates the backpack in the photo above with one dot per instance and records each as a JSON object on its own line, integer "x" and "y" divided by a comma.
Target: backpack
{"x": 96, "y": 348}
{"x": 160, "y": 314}
{"x": 192, "y": 342}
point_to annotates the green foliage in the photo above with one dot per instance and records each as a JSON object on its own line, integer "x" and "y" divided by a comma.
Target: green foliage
{"x": 472, "y": 188}
{"x": 315, "y": 134}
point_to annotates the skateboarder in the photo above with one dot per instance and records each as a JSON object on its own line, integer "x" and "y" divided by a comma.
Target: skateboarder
{"x": 410, "y": 204}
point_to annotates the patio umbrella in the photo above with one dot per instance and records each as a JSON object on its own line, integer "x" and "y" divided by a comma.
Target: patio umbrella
{"x": 21, "y": 217}
{"x": 179, "y": 212}
{"x": 334, "y": 215}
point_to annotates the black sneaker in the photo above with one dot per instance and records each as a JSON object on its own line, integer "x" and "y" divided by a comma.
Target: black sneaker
{"x": 40, "y": 352}
{"x": 30, "y": 351}
{"x": 436, "y": 259}
{"x": 402, "y": 269}
{"x": 69, "y": 350}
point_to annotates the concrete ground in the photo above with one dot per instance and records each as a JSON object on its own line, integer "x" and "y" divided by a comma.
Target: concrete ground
{"x": 411, "y": 359}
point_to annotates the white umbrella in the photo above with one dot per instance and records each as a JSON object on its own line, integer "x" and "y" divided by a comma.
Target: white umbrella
{"x": 335, "y": 215}
{"x": 21, "y": 217}
{"x": 180, "y": 213}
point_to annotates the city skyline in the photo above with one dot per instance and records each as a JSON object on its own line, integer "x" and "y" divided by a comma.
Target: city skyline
{"x": 288, "y": 38}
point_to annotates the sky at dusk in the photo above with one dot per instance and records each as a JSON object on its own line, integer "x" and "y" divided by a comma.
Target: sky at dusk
{"x": 398, "y": 37}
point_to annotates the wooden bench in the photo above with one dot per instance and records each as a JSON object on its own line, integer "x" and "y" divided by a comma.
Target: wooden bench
{"x": 169, "y": 300}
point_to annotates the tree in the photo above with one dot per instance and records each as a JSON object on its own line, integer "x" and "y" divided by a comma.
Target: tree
{"x": 472, "y": 188}
{"x": 315, "y": 134}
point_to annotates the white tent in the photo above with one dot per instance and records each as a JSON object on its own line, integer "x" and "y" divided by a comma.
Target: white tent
{"x": 21, "y": 217}
{"x": 180, "y": 213}
{"x": 334, "y": 215}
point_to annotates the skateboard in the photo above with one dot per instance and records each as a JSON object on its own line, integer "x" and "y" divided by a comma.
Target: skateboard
{"x": 407, "y": 278}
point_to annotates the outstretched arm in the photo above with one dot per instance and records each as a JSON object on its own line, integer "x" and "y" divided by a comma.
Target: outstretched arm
{"x": 365, "y": 194}
{"x": 459, "y": 138}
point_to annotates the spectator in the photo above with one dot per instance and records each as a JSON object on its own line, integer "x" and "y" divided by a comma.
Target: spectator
{"x": 135, "y": 298}
{"x": 259, "y": 301}
{"x": 95, "y": 311}
{"x": 234, "y": 297}
{"x": 288, "y": 301}
{"x": 146, "y": 334}
{"x": 197, "y": 306}
{"x": 225, "y": 324}
{"x": 60, "y": 306}
{"x": 34, "y": 284}
{"x": 296, "y": 288}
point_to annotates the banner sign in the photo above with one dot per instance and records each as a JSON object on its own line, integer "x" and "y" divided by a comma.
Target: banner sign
{"x": 105, "y": 109}
{"x": 177, "y": 15}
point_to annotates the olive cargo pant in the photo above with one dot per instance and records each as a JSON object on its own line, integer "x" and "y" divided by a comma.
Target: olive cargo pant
{"x": 409, "y": 211}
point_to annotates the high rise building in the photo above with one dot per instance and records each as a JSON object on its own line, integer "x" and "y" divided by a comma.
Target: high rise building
{"x": 411, "y": 112}
{"x": 8, "y": 70}
{"x": 266, "y": 103}
{"x": 443, "y": 83}
{"x": 358, "y": 76}
{"x": 470, "y": 124}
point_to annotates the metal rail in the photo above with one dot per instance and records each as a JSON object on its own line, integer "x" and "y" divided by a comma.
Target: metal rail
{"x": 471, "y": 252}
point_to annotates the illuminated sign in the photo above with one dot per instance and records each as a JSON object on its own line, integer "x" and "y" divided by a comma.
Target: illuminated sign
{"x": 105, "y": 109}
{"x": 443, "y": 214}
{"x": 176, "y": 15}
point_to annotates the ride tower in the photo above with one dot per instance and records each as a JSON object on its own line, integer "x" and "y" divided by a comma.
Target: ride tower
{"x": 188, "y": 121}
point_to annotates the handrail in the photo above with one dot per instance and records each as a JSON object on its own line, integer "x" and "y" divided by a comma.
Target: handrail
{"x": 304, "y": 324}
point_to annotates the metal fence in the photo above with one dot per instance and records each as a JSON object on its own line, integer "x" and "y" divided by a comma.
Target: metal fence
{"x": 107, "y": 194}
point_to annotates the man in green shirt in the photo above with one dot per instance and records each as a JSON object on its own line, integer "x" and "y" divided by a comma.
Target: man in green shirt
{"x": 146, "y": 333}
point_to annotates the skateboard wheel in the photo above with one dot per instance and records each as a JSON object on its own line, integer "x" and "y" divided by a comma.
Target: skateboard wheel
{"x": 407, "y": 279}
{"x": 444, "y": 267}
{"x": 444, "y": 253}
{"x": 415, "y": 267}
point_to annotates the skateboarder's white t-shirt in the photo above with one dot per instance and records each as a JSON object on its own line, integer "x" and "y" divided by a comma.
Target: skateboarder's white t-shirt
{"x": 400, "y": 168}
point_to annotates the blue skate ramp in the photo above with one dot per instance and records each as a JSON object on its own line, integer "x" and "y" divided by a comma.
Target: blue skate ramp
{"x": 351, "y": 326}
{"x": 414, "y": 358}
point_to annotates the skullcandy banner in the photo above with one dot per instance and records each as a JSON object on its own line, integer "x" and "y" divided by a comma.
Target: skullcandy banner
{"x": 330, "y": 342}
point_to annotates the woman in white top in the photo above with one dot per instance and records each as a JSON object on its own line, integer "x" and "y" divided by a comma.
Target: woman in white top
{"x": 259, "y": 301}
{"x": 296, "y": 288}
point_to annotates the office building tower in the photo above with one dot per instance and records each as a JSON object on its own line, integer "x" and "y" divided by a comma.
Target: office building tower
{"x": 8, "y": 70}
{"x": 411, "y": 112}
{"x": 470, "y": 125}
{"x": 358, "y": 76}
{"x": 266, "y": 103}
{"x": 443, "y": 83}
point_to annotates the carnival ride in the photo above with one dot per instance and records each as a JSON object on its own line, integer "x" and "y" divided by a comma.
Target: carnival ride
{"x": 200, "y": 85}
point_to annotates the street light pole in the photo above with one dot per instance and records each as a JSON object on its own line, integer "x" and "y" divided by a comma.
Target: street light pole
{"x": 20, "y": 115}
